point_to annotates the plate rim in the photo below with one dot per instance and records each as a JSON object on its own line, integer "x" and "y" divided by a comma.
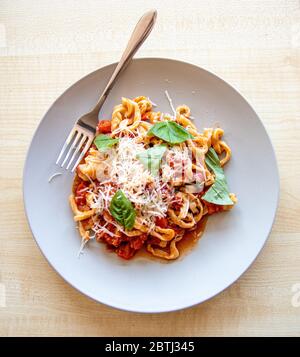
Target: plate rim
{"x": 276, "y": 172}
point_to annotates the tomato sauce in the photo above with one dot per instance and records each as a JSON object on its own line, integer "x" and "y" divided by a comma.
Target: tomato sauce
{"x": 104, "y": 127}
{"x": 191, "y": 238}
{"x": 187, "y": 243}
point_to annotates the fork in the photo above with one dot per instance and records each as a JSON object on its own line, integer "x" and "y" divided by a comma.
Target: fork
{"x": 83, "y": 132}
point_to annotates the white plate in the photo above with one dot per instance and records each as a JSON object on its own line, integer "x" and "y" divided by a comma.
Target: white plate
{"x": 231, "y": 241}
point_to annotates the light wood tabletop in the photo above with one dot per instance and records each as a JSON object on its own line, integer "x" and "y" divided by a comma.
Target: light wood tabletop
{"x": 45, "y": 46}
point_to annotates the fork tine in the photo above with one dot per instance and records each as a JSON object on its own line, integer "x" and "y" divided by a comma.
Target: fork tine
{"x": 75, "y": 141}
{"x": 83, "y": 139}
{"x": 67, "y": 142}
{"x": 86, "y": 147}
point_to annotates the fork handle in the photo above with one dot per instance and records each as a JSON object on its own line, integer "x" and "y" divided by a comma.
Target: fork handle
{"x": 139, "y": 35}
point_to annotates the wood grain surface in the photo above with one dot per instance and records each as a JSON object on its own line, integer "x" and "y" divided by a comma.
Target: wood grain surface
{"x": 45, "y": 46}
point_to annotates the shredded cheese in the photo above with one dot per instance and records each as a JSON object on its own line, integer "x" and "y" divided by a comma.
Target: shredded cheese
{"x": 170, "y": 102}
{"x": 54, "y": 175}
{"x": 153, "y": 104}
{"x": 149, "y": 195}
{"x": 81, "y": 248}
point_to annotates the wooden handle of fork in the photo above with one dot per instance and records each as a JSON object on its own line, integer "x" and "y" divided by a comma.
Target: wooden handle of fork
{"x": 139, "y": 35}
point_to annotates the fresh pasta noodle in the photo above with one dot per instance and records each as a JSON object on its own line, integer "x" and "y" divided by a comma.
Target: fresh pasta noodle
{"x": 149, "y": 179}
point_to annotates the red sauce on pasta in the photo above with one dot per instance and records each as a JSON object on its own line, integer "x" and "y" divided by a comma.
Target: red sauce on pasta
{"x": 145, "y": 199}
{"x": 191, "y": 238}
{"x": 187, "y": 243}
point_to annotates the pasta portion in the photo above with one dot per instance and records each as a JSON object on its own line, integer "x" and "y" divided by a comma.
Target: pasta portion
{"x": 149, "y": 179}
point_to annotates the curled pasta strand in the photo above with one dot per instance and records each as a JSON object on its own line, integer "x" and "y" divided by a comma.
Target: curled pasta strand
{"x": 182, "y": 117}
{"x": 117, "y": 116}
{"x": 146, "y": 126}
{"x": 224, "y": 148}
{"x": 163, "y": 243}
{"x": 132, "y": 233}
{"x": 207, "y": 133}
{"x": 144, "y": 104}
{"x": 83, "y": 233}
{"x": 200, "y": 140}
{"x": 164, "y": 234}
{"x": 210, "y": 178}
{"x": 188, "y": 222}
{"x": 129, "y": 110}
{"x": 132, "y": 112}
{"x": 185, "y": 205}
{"x": 173, "y": 250}
{"x": 219, "y": 145}
{"x": 155, "y": 117}
{"x": 216, "y": 136}
{"x": 141, "y": 227}
{"x": 143, "y": 129}
{"x": 79, "y": 215}
{"x": 183, "y": 110}
{"x": 196, "y": 207}
{"x": 92, "y": 163}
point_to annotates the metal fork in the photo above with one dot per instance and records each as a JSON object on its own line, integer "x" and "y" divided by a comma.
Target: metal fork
{"x": 83, "y": 132}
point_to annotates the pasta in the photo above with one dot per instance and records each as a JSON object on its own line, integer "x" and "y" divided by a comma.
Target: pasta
{"x": 149, "y": 179}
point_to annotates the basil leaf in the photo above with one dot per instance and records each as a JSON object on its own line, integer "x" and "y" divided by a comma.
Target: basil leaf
{"x": 122, "y": 210}
{"x": 151, "y": 158}
{"x": 170, "y": 132}
{"x": 103, "y": 141}
{"x": 218, "y": 192}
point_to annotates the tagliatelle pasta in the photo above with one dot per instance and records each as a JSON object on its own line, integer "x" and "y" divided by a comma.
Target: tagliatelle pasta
{"x": 149, "y": 179}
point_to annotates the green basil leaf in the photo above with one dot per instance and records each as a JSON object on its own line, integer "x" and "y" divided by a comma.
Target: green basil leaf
{"x": 218, "y": 192}
{"x": 151, "y": 158}
{"x": 103, "y": 141}
{"x": 170, "y": 132}
{"x": 122, "y": 210}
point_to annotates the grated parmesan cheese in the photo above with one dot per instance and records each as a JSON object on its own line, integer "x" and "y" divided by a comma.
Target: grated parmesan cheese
{"x": 170, "y": 102}
{"x": 54, "y": 175}
{"x": 149, "y": 195}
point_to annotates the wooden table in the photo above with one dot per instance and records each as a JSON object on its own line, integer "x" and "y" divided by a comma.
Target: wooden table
{"x": 45, "y": 46}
